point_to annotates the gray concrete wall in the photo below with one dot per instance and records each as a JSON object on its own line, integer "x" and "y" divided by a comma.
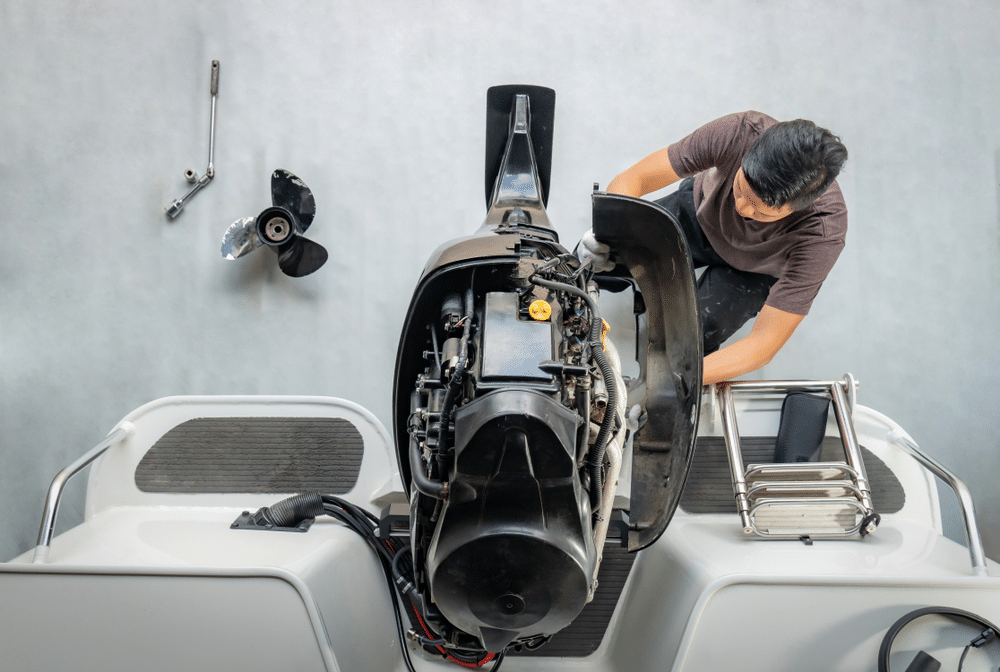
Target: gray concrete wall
{"x": 105, "y": 304}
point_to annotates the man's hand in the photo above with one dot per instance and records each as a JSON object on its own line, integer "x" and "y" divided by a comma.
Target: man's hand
{"x": 590, "y": 249}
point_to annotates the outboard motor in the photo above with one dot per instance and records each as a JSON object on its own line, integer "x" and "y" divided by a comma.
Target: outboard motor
{"x": 509, "y": 406}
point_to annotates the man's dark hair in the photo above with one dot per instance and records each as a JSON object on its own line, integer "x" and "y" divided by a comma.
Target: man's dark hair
{"x": 792, "y": 163}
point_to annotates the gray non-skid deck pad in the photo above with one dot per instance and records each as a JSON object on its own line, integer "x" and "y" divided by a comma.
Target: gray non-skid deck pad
{"x": 709, "y": 486}
{"x": 584, "y": 635}
{"x": 254, "y": 455}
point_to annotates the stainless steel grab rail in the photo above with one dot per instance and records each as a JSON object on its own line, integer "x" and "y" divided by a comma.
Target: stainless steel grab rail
{"x": 732, "y": 434}
{"x": 47, "y": 528}
{"x": 976, "y": 553}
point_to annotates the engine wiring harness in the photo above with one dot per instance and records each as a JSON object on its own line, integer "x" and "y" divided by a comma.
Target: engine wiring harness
{"x": 393, "y": 554}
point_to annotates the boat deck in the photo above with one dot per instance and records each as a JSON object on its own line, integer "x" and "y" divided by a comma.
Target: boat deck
{"x": 158, "y": 579}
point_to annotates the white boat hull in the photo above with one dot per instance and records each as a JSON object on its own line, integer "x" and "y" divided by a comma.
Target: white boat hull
{"x": 159, "y": 581}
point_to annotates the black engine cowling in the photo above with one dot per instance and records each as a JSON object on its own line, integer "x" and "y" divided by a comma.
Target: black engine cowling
{"x": 498, "y": 430}
{"x": 511, "y": 554}
{"x": 505, "y": 402}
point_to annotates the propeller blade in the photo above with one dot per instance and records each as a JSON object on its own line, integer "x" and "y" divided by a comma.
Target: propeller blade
{"x": 290, "y": 192}
{"x": 301, "y": 257}
{"x": 240, "y": 239}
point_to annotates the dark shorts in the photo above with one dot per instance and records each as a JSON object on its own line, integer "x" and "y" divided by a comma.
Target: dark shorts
{"x": 727, "y": 298}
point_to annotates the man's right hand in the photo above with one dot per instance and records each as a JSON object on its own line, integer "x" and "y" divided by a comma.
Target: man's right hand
{"x": 590, "y": 249}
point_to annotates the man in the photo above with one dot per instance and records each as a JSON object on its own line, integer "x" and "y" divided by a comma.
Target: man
{"x": 761, "y": 210}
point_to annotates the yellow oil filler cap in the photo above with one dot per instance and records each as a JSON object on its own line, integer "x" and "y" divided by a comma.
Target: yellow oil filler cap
{"x": 605, "y": 328}
{"x": 540, "y": 310}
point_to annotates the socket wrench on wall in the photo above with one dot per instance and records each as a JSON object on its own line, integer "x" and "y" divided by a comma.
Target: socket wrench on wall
{"x": 191, "y": 176}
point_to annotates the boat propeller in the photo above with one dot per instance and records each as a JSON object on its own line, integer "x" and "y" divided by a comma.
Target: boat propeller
{"x": 280, "y": 227}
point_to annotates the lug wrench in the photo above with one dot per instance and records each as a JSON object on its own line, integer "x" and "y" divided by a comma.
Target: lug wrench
{"x": 191, "y": 176}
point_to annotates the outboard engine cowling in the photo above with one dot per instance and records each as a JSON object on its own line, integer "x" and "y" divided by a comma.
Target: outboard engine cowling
{"x": 505, "y": 407}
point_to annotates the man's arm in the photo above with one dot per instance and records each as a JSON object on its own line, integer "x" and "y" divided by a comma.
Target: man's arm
{"x": 649, "y": 175}
{"x": 770, "y": 331}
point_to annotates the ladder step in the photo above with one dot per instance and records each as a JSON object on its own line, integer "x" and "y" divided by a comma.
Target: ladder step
{"x": 803, "y": 490}
{"x": 801, "y": 471}
{"x": 815, "y": 518}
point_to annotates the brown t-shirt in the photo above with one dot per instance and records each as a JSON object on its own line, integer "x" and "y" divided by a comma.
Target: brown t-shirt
{"x": 799, "y": 249}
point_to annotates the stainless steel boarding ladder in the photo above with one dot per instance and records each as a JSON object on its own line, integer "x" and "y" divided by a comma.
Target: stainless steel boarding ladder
{"x": 824, "y": 500}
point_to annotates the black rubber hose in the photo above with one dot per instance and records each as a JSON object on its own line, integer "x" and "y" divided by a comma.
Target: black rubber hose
{"x": 421, "y": 481}
{"x": 596, "y": 460}
{"x": 359, "y": 520}
{"x": 292, "y": 511}
{"x": 364, "y": 523}
{"x": 400, "y": 633}
{"x": 403, "y": 581}
{"x": 886, "y": 648}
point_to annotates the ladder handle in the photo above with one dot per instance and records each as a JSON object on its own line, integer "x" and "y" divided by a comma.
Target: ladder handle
{"x": 732, "y": 433}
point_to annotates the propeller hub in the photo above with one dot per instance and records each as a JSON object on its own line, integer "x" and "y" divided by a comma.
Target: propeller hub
{"x": 277, "y": 229}
{"x": 275, "y": 226}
